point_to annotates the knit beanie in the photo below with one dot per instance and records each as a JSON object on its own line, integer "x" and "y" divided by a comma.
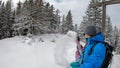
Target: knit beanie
{"x": 90, "y": 30}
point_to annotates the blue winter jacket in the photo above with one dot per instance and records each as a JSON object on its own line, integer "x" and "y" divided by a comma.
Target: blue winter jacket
{"x": 97, "y": 57}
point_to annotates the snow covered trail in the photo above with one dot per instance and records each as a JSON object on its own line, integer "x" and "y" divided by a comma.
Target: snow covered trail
{"x": 16, "y": 54}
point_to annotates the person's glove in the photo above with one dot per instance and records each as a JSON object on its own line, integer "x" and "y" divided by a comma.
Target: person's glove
{"x": 74, "y": 64}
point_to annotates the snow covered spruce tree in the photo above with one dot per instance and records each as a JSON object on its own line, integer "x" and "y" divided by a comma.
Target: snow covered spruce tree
{"x": 18, "y": 9}
{"x": 67, "y": 23}
{"x": 8, "y": 11}
{"x": 24, "y": 21}
{"x": 93, "y": 17}
{"x": 62, "y": 24}
{"x": 36, "y": 17}
{"x": 6, "y": 19}
{"x": 1, "y": 18}
{"x": 118, "y": 44}
{"x": 109, "y": 31}
{"x": 52, "y": 17}
{"x": 116, "y": 38}
{"x": 40, "y": 15}
{"x": 46, "y": 15}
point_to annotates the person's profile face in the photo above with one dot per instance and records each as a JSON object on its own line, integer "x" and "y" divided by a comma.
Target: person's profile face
{"x": 86, "y": 36}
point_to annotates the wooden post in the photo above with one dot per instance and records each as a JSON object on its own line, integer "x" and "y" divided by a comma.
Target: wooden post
{"x": 103, "y": 16}
{"x": 103, "y": 4}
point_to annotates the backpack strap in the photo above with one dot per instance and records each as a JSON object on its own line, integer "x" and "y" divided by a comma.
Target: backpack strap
{"x": 92, "y": 48}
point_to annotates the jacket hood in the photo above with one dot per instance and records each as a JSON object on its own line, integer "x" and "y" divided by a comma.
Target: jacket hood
{"x": 98, "y": 38}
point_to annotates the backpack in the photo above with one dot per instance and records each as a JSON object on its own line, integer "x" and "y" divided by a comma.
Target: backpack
{"x": 109, "y": 55}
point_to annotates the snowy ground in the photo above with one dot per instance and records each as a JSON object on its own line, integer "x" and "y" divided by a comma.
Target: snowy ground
{"x": 17, "y": 53}
{"x": 46, "y": 51}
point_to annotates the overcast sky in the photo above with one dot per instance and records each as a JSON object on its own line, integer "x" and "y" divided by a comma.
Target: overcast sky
{"x": 78, "y": 8}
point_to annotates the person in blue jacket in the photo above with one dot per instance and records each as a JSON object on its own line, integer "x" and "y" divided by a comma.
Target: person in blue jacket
{"x": 95, "y": 60}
